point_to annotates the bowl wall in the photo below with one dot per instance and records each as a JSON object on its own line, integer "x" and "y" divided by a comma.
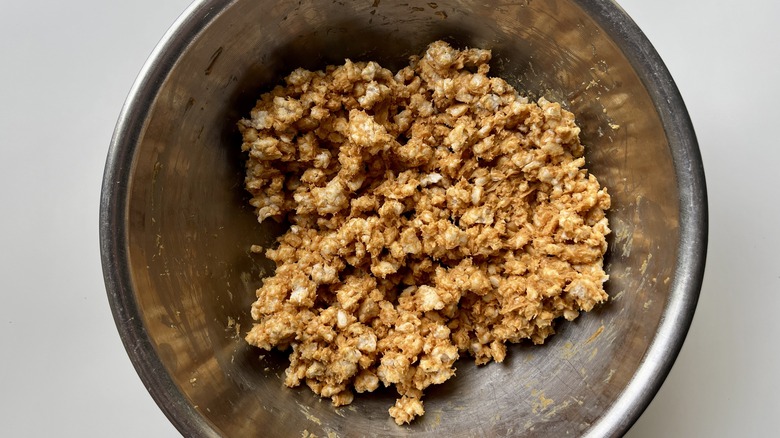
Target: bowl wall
{"x": 176, "y": 229}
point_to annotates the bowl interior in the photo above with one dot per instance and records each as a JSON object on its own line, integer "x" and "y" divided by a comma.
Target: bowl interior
{"x": 185, "y": 232}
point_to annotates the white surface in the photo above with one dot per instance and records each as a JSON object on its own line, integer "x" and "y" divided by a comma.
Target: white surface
{"x": 66, "y": 69}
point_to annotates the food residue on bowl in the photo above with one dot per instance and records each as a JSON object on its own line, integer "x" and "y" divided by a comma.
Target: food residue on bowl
{"x": 433, "y": 213}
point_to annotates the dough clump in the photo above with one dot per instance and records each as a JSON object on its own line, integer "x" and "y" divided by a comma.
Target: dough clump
{"x": 433, "y": 213}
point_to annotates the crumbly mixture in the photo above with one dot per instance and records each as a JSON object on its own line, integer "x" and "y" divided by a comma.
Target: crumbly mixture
{"x": 434, "y": 212}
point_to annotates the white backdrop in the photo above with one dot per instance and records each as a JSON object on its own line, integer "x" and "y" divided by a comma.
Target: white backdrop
{"x": 65, "y": 70}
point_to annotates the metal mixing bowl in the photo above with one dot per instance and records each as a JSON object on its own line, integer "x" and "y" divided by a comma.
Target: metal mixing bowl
{"x": 176, "y": 230}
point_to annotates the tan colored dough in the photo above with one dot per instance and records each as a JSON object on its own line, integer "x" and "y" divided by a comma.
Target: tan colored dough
{"x": 433, "y": 212}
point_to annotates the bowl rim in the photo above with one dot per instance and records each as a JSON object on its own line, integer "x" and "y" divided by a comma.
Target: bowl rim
{"x": 685, "y": 287}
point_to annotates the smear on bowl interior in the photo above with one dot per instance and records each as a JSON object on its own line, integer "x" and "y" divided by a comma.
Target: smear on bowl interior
{"x": 433, "y": 213}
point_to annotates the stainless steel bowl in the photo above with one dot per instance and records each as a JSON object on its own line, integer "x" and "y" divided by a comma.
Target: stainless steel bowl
{"x": 175, "y": 229}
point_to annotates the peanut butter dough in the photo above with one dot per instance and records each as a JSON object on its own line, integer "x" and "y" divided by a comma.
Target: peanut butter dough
{"x": 433, "y": 213}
